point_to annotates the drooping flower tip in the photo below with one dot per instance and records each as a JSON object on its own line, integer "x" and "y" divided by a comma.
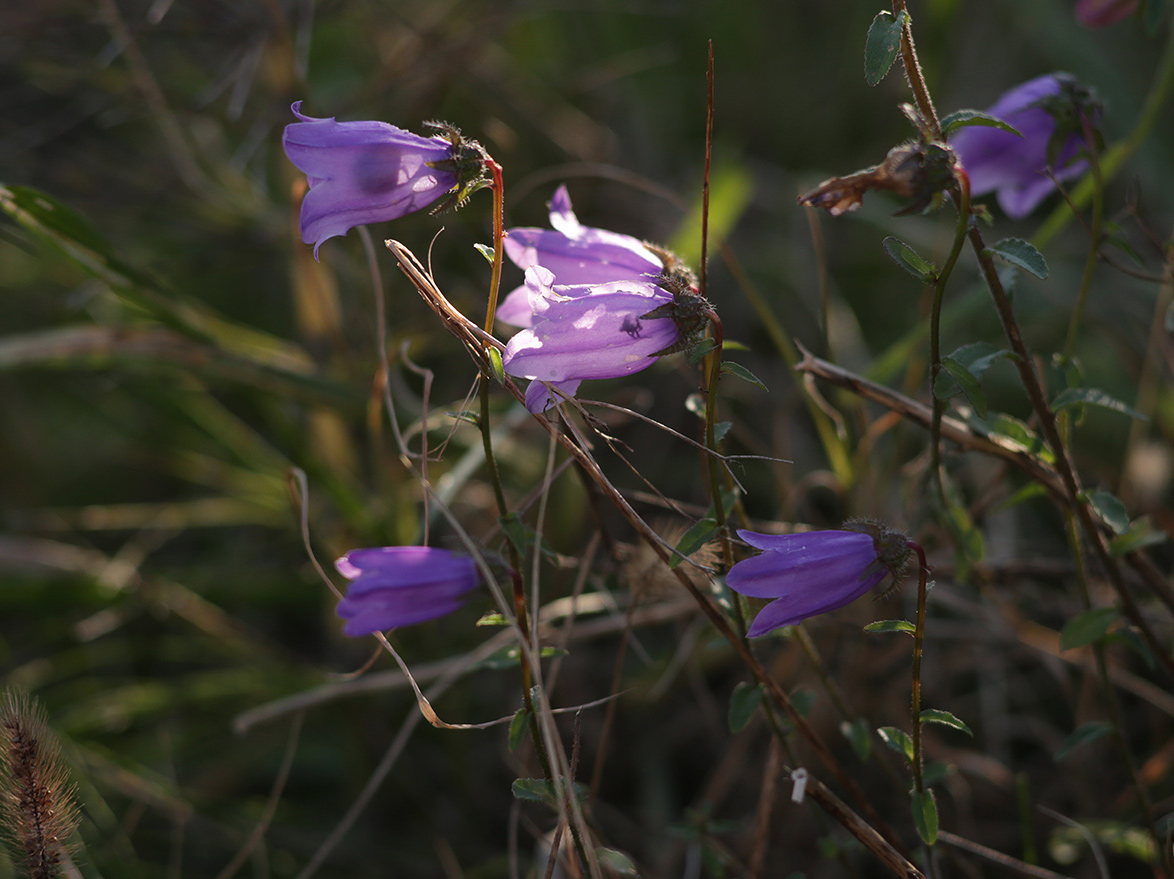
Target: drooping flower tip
{"x": 369, "y": 172}
{"x": 1102, "y": 13}
{"x": 814, "y": 572}
{"x": 595, "y": 304}
{"x": 394, "y": 586}
{"x": 576, "y": 255}
{"x": 1052, "y": 113}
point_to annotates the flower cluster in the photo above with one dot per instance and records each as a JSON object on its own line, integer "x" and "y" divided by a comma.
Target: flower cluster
{"x": 595, "y": 304}
{"x": 394, "y": 586}
{"x": 1051, "y": 114}
{"x": 815, "y": 572}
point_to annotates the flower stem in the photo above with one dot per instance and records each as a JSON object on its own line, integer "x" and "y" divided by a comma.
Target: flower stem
{"x": 913, "y": 72}
{"x": 1094, "y": 242}
{"x": 918, "y": 644}
{"x": 498, "y": 237}
{"x": 935, "y": 332}
{"x": 714, "y": 363}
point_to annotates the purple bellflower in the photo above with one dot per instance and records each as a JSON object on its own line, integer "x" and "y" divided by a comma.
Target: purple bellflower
{"x": 585, "y": 332}
{"x": 368, "y": 172}
{"x": 577, "y": 255}
{"x": 1047, "y": 112}
{"x": 815, "y": 572}
{"x": 395, "y": 586}
{"x": 1102, "y": 13}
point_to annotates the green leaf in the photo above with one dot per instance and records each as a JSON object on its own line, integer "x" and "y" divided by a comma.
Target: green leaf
{"x": 492, "y": 618}
{"x": 1023, "y": 254}
{"x": 522, "y": 536}
{"x": 909, "y": 259}
{"x": 1109, "y": 508}
{"x": 803, "y": 700}
{"x": 925, "y": 816}
{"x": 891, "y": 626}
{"x": 881, "y": 45}
{"x": 1082, "y": 735}
{"x": 518, "y": 727}
{"x": 1140, "y": 534}
{"x": 496, "y": 365}
{"x": 898, "y": 740}
{"x": 510, "y": 657}
{"x": 695, "y": 538}
{"x": 486, "y": 251}
{"x": 976, "y": 359}
{"x": 1088, "y": 627}
{"x": 744, "y": 701}
{"x": 1093, "y": 397}
{"x": 721, "y": 429}
{"x": 539, "y": 790}
{"x": 616, "y": 862}
{"x": 1032, "y": 489}
{"x": 956, "y": 377}
{"x": 859, "y": 736}
{"x": 963, "y": 118}
{"x": 945, "y": 718}
{"x": 741, "y": 372}
{"x": 699, "y": 350}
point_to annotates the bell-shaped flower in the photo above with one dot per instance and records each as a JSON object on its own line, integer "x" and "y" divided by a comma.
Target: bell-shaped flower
{"x": 814, "y": 572}
{"x": 394, "y": 586}
{"x": 1102, "y": 13}
{"x": 601, "y": 331}
{"x": 368, "y": 172}
{"x": 577, "y": 255}
{"x": 1021, "y": 169}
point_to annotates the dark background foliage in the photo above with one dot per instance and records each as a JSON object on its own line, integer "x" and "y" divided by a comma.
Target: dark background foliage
{"x": 153, "y": 585}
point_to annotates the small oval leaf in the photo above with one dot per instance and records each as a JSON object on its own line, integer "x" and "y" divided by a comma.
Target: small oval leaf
{"x": 739, "y": 371}
{"x": 744, "y": 701}
{"x": 898, "y": 740}
{"x": 1023, "y": 254}
{"x": 925, "y": 816}
{"x": 963, "y": 118}
{"x": 910, "y": 260}
{"x": 1093, "y": 397}
{"x": 1088, "y": 627}
{"x": 945, "y": 718}
{"x": 881, "y": 45}
{"x": 1082, "y": 735}
{"x": 891, "y": 626}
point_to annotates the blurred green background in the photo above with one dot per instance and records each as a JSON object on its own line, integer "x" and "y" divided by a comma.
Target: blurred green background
{"x": 170, "y": 352}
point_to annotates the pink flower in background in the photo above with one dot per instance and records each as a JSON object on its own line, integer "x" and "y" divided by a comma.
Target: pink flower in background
{"x": 1101, "y": 13}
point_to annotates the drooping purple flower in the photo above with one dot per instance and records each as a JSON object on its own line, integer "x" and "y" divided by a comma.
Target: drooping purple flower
{"x": 368, "y": 172}
{"x": 1102, "y": 13}
{"x": 577, "y": 255}
{"x": 815, "y": 572}
{"x": 1016, "y": 168}
{"x": 600, "y": 331}
{"x": 394, "y": 586}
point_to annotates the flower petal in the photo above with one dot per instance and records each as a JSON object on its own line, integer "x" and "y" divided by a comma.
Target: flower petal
{"x": 600, "y": 335}
{"x": 401, "y": 585}
{"x": 362, "y": 172}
